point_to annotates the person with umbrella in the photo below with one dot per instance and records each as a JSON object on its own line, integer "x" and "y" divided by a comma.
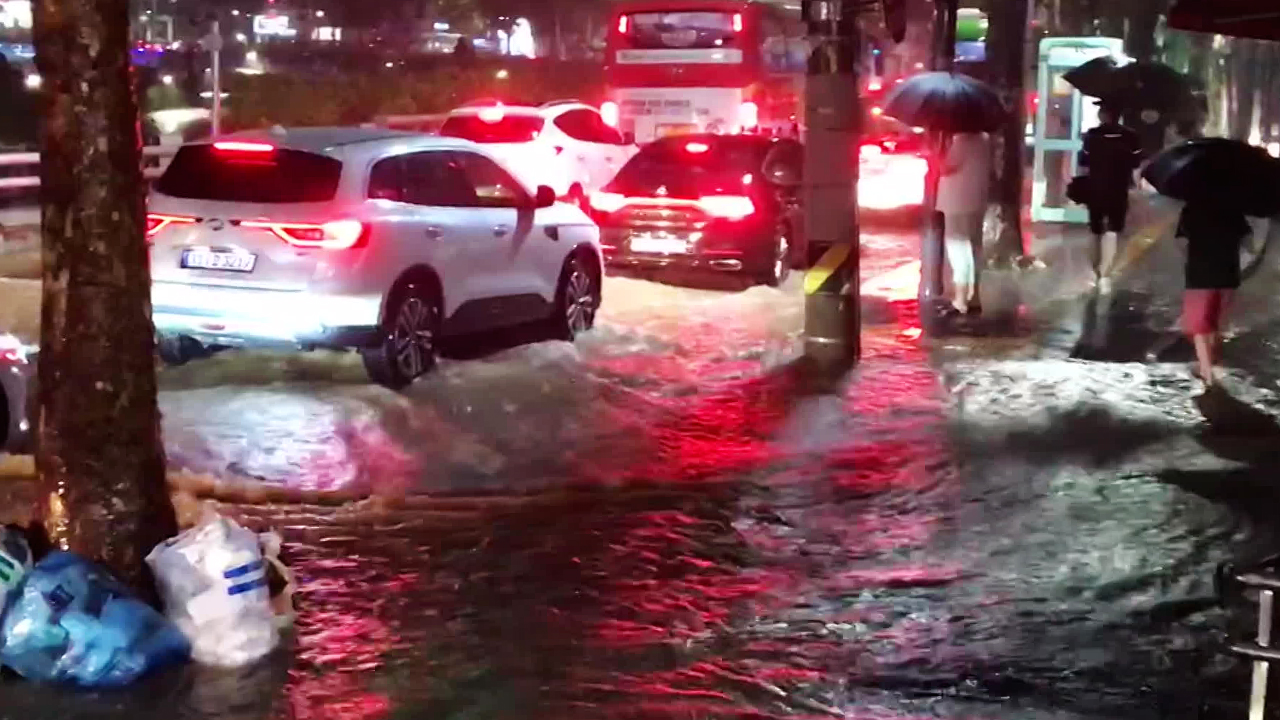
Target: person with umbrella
{"x": 1222, "y": 181}
{"x": 958, "y": 111}
{"x": 962, "y": 198}
{"x": 1214, "y": 233}
{"x": 1110, "y": 154}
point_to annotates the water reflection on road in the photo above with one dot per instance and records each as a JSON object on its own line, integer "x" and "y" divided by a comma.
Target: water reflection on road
{"x": 662, "y": 522}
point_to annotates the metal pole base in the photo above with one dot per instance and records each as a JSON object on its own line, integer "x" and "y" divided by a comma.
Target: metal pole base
{"x": 831, "y": 332}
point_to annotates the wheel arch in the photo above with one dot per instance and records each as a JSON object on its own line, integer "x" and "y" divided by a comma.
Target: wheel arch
{"x": 416, "y": 274}
{"x": 590, "y": 252}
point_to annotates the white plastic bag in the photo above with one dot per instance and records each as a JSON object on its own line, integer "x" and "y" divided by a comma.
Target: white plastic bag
{"x": 213, "y": 580}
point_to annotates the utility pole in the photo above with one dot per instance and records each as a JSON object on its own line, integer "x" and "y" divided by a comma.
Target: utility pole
{"x": 213, "y": 43}
{"x": 833, "y": 117}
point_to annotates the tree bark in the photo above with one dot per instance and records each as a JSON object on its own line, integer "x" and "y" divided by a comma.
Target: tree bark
{"x": 1007, "y": 35}
{"x": 1140, "y": 40}
{"x": 1244, "y": 87}
{"x": 99, "y": 452}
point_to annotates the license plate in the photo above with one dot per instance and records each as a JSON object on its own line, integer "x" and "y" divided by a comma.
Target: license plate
{"x": 662, "y": 245}
{"x": 216, "y": 260}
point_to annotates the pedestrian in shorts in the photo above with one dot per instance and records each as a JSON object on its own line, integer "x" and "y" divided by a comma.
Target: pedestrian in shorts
{"x": 1214, "y": 235}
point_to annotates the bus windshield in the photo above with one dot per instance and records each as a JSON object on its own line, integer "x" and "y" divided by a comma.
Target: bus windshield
{"x": 682, "y": 30}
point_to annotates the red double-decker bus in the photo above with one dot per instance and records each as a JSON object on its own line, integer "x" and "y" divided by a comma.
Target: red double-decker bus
{"x": 679, "y": 66}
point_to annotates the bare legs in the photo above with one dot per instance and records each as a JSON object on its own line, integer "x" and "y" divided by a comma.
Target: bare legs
{"x": 1104, "y": 256}
{"x": 1208, "y": 347}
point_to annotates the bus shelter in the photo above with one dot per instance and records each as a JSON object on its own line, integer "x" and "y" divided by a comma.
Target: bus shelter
{"x": 1062, "y": 118}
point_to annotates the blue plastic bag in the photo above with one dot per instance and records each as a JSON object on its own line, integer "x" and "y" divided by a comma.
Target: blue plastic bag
{"x": 71, "y": 622}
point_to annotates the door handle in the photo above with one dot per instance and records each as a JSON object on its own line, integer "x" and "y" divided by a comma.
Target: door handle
{"x": 433, "y": 233}
{"x": 501, "y": 230}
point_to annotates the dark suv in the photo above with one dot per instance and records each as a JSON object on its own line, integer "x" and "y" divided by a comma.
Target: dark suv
{"x": 728, "y": 203}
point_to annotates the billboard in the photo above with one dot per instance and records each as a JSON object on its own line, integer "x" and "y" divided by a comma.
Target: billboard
{"x": 273, "y": 26}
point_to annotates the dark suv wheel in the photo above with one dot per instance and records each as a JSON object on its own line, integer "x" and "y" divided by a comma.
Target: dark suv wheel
{"x": 780, "y": 259}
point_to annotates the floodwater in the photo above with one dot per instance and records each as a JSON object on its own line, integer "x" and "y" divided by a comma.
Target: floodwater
{"x": 662, "y": 521}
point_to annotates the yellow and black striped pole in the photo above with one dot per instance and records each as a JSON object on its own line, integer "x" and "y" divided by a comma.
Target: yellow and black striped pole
{"x": 832, "y": 114}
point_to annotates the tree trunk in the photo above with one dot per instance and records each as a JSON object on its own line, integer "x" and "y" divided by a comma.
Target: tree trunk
{"x": 1007, "y": 35}
{"x": 1140, "y": 40}
{"x": 99, "y": 454}
{"x": 1244, "y": 87}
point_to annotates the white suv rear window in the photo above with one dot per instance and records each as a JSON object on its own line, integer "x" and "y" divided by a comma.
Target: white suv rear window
{"x": 201, "y": 172}
{"x": 508, "y": 129}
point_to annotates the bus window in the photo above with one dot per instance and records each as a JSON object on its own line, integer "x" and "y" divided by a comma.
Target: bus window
{"x": 683, "y": 30}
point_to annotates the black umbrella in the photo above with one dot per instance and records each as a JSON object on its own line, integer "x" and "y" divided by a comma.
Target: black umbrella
{"x": 946, "y": 102}
{"x": 1096, "y": 78}
{"x": 1221, "y": 171}
{"x": 1136, "y": 85}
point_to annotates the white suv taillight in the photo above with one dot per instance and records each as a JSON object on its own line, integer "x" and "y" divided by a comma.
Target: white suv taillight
{"x": 157, "y": 222}
{"x": 333, "y": 235}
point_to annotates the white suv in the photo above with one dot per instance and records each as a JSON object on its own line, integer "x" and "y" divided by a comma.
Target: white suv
{"x": 564, "y": 145}
{"x": 359, "y": 238}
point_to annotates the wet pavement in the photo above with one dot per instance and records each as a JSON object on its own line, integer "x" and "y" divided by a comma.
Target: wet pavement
{"x": 663, "y": 521}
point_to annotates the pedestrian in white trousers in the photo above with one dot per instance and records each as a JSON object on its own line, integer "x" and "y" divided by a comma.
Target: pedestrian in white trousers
{"x": 962, "y": 199}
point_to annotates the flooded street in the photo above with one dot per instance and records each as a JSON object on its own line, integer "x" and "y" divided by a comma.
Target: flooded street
{"x": 661, "y": 522}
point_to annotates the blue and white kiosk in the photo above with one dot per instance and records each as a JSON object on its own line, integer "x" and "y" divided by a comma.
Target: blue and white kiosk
{"x": 1062, "y": 118}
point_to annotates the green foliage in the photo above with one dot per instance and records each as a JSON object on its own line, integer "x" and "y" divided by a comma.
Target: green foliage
{"x": 352, "y": 98}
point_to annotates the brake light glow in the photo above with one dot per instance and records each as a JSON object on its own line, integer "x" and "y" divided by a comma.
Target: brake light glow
{"x": 748, "y": 115}
{"x": 696, "y": 148}
{"x": 737, "y": 22}
{"x": 870, "y": 151}
{"x": 729, "y": 207}
{"x": 877, "y": 111}
{"x": 334, "y": 235}
{"x": 607, "y": 202}
{"x": 157, "y": 222}
{"x": 732, "y": 207}
{"x": 492, "y": 115}
{"x": 610, "y": 113}
{"x": 246, "y": 147}
{"x": 624, "y": 24}
{"x": 875, "y": 86}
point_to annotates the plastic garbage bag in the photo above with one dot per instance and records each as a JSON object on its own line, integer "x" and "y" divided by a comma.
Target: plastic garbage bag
{"x": 70, "y": 621}
{"x": 213, "y": 580}
{"x": 281, "y": 583}
{"x": 15, "y": 561}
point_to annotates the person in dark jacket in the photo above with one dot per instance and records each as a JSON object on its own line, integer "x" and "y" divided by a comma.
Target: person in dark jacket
{"x": 1110, "y": 155}
{"x": 1214, "y": 234}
